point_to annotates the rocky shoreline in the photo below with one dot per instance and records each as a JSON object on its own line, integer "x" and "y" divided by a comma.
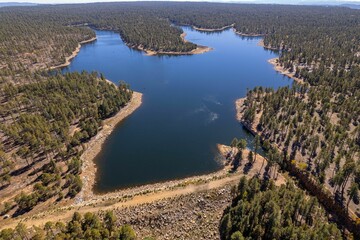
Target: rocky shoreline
{"x": 192, "y": 216}
{"x": 283, "y": 71}
{"x": 146, "y": 197}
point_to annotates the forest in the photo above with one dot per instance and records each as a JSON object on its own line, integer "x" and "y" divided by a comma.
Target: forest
{"x": 260, "y": 210}
{"x": 314, "y": 124}
{"x": 87, "y": 226}
{"x": 45, "y": 125}
{"x": 34, "y": 44}
{"x": 43, "y": 36}
{"x": 150, "y": 25}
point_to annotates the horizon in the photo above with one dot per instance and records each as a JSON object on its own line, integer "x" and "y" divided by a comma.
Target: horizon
{"x": 287, "y": 2}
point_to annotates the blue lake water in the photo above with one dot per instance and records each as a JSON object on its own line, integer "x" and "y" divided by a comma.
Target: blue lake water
{"x": 188, "y": 105}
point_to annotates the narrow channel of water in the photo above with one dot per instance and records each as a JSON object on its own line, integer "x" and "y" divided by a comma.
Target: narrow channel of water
{"x": 188, "y": 104}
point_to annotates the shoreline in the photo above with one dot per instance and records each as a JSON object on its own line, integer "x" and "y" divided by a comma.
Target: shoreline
{"x": 88, "y": 195}
{"x": 283, "y": 71}
{"x": 239, "y": 105}
{"x": 226, "y": 27}
{"x": 261, "y": 44}
{"x": 248, "y": 34}
{"x": 74, "y": 54}
{"x": 151, "y": 193}
{"x": 94, "y": 146}
{"x": 198, "y": 50}
{"x": 309, "y": 184}
{"x": 277, "y": 67}
{"x": 169, "y": 185}
{"x": 321, "y": 193}
{"x": 87, "y": 198}
{"x": 132, "y": 196}
{"x": 88, "y": 174}
{"x": 213, "y": 29}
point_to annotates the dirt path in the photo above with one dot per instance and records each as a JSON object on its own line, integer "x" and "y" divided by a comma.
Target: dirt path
{"x": 66, "y": 213}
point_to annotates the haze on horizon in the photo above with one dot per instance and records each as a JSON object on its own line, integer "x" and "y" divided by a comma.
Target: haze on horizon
{"x": 327, "y": 2}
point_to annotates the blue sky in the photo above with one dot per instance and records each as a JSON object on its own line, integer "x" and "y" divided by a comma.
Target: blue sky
{"x": 247, "y": 1}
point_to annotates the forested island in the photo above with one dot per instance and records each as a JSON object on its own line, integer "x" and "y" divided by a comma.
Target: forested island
{"x": 309, "y": 130}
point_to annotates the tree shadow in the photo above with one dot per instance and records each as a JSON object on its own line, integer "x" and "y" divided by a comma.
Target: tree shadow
{"x": 266, "y": 175}
{"x": 4, "y": 186}
{"x": 20, "y": 212}
{"x": 248, "y": 166}
{"x": 21, "y": 170}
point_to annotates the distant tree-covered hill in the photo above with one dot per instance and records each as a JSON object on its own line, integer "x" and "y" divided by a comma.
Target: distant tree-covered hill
{"x": 17, "y": 4}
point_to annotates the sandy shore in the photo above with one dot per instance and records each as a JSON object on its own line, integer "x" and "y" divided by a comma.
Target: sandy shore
{"x": 75, "y": 52}
{"x": 239, "y": 105}
{"x": 94, "y": 146}
{"x": 87, "y": 196}
{"x": 147, "y": 194}
{"x": 277, "y": 67}
{"x": 280, "y": 69}
{"x": 227, "y": 27}
{"x": 213, "y": 29}
{"x": 261, "y": 44}
{"x": 183, "y": 35}
{"x": 248, "y": 34}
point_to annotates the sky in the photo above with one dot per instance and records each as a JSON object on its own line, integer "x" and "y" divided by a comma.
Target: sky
{"x": 243, "y": 1}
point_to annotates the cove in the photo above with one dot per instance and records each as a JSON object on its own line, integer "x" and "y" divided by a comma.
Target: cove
{"x": 188, "y": 105}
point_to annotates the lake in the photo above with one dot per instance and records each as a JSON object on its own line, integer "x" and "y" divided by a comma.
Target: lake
{"x": 188, "y": 105}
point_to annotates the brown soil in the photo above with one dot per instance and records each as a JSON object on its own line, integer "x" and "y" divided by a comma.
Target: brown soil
{"x": 282, "y": 70}
{"x": 248, "y": 34}
{"x": 213, "y": 29}
{"x": 145, "y": 194}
